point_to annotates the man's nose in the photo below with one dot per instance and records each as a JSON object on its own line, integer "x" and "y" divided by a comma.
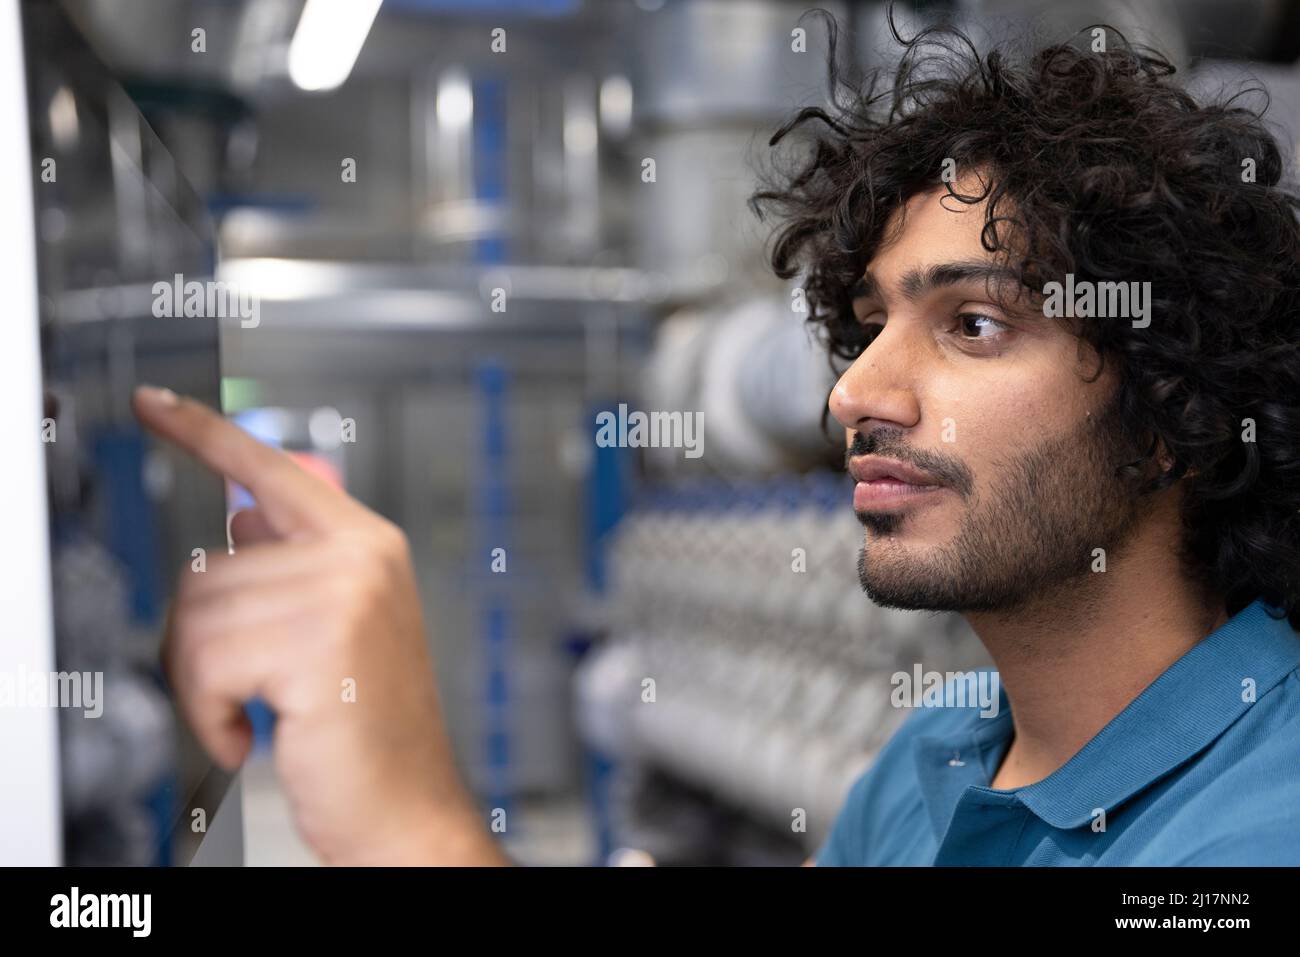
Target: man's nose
{"x": 877, "y": 389}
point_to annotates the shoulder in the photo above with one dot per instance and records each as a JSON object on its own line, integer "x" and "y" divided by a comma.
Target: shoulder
{"x": 1246, "y": 809}
{"x": 1271, "y": 842}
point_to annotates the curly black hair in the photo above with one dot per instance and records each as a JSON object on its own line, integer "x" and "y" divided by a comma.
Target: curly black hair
{"x": 1096, "y": 164}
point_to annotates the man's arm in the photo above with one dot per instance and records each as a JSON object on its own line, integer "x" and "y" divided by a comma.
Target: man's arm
{"x": 317, "y": 613}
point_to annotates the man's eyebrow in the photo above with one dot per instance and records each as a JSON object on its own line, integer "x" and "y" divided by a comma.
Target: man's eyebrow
{"x": 918, "y": 281}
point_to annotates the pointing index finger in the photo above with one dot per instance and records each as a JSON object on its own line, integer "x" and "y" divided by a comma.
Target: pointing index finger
{"x": 291, "y": 499}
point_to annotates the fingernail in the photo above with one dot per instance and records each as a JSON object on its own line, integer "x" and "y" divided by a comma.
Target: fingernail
{"x": 156, "y": 396}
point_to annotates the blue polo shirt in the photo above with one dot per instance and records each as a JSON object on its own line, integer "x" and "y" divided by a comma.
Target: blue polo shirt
{"x": 1203, "y": 767}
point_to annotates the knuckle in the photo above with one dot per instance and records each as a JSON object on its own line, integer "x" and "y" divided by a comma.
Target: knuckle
{"x": 393, "y": 545}
{"x": 384, "y": 538}
{"x": 200, "y": 664}
{"x": 393, "y": 535}
{"x": 350, "y": 560}
{"x": 378, "y": 549}
{"x": 196, "y": 646}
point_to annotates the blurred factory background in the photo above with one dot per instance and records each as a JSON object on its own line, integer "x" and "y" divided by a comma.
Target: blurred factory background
{"x": 462, "y": 256}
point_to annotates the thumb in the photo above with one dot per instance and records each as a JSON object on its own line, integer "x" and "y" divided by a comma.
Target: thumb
{"x": 249, "y": 526}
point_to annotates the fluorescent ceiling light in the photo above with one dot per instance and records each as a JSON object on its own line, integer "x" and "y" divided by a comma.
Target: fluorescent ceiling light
{"x": 330, "y": 34}
{"x": 455, "y": 100}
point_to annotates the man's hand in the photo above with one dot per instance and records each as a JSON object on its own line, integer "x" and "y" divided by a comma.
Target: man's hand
{"x": 318, "y": 614}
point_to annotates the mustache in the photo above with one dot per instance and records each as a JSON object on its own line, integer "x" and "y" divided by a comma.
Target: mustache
{"x": 944, "y": 469}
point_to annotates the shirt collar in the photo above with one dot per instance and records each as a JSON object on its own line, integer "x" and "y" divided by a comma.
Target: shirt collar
{"x": 1178, "y": 715}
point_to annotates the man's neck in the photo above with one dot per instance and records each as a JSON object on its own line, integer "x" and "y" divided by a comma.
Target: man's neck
{"x": 1073, "y": 661}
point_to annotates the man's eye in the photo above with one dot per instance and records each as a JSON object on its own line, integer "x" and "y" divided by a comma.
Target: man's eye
{"x": 972, "y": 324}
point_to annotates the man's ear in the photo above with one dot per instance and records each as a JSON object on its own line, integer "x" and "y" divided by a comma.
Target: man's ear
{"x": 1165, "y": 461}
{"x": 1163, "y": 457}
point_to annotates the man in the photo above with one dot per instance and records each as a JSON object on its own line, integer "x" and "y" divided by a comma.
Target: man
{"x": 1110, "y": 500}
{"x": 1094, "y": 488}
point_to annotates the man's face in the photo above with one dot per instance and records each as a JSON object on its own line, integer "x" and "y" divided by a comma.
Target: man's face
{"x": 1007, "y": 451}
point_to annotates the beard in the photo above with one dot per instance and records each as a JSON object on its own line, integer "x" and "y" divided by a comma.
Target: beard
{"x": 1031, "y": 535}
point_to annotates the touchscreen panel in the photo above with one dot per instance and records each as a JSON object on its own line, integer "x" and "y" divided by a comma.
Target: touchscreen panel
{"x": 116, "y": 225}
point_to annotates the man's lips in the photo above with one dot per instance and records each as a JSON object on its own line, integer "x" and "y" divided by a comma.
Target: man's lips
{"x": 885, "y": 483}
{"x": 872, "y": 468}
